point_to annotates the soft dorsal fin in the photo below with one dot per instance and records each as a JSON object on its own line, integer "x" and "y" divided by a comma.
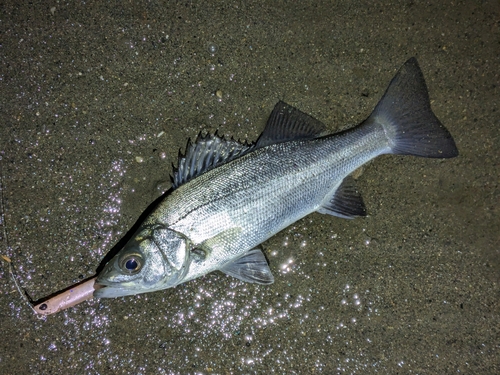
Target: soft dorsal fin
{"x": 287, "y": 123}
{"x": 206, "y": 153}
{"x": 345, "y": 202}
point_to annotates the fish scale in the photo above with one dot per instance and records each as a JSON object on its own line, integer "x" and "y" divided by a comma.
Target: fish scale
{"x": 228, "y": 197}
{"x": 297, "y": 175}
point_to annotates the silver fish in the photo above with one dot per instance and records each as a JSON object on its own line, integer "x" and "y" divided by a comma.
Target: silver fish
{"x": 229, "y": 197}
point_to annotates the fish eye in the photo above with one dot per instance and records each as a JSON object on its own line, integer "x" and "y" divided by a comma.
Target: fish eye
{"x": 132, "y": 263}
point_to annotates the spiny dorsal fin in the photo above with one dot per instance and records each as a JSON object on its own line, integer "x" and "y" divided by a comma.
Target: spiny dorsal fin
{"x": 287, "y": 123}
{"x": 206, "y": 153}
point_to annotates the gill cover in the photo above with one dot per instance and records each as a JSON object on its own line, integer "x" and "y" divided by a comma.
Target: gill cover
{"x": 154, "y": 259}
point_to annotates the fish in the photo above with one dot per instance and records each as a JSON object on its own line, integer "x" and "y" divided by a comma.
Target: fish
{"x": 228, "y": 197}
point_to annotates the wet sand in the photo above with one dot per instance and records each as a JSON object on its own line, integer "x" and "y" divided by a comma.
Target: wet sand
{"x": 98, "y": 99}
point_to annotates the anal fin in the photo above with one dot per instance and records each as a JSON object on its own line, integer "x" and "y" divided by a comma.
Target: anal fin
{"x": 251, "y": 267}
{"x": 345, "y": 202}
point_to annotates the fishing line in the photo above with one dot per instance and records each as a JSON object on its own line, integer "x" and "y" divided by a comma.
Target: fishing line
{"x": 6, "y": 258}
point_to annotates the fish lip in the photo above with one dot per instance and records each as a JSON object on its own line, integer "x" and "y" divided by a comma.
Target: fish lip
{"x": 100, "y": 286}
{"x": 111, "y": 291}
{"x": 103, "y": 284}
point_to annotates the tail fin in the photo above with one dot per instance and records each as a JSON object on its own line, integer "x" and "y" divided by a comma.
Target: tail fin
{"x": 407, "y": 118}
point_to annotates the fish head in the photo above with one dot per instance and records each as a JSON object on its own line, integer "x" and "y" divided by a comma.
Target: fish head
{"x": 155, "y": 258}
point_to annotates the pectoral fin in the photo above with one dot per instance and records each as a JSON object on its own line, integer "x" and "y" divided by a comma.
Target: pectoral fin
{"x": 252, "y": 267}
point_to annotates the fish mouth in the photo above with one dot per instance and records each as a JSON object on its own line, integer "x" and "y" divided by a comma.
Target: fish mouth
{"x": 110, "y": 289}
{"x": 106, "y": 289}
